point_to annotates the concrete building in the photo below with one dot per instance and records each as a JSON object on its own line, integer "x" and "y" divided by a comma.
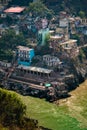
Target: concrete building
{"x": 34, "y": 71}
{"x": 51, "y": 61}
{"x": 24, "y": 55}
{"x": 63, "y": 14}
{"x": 69, "y": 43}
{"x": 84, "y": 21}
{"x": 68, "y": 46}
{"x": 63, "y": 22}
{"x": 59, "y": 44}
{"x": 55, "y": 40}
{"x": 5, "y": 64}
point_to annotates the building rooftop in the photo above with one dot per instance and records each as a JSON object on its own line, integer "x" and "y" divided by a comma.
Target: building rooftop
{"x": 14, "y": 9}
{"x": 51, "y": 31}
{"x": 23, "y": 48}
{"x": 69, "y": 42}
{"x": 56, "y": 37}
{"x": 35, "y": 69}
{"x": 53, "y": 58}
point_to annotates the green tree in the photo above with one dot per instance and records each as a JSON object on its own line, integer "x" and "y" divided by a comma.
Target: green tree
{"x": 47, "y": 38}
{"x": 82, "y": 14}
{"x": 10, "y": 40}
{"x": 12, "y": 110}
{"x": 8, "y": 43}
{"x": 39, "y": 9}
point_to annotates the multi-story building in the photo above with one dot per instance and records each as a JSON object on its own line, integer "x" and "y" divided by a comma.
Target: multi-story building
{"x": 55, "y": 40}
{"x": 24, "y": 55}
{"x": 51, "y": 61}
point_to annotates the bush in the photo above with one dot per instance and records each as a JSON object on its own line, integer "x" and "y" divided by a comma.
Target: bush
{"x": 12, "y": 110}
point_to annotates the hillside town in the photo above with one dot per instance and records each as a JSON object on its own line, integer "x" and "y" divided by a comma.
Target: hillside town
{"x": 42, "y": 68}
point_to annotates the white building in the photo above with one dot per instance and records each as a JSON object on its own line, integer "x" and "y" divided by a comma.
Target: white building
{"x": 51, "y": 61}
{"x": 5, "y": 64}
{"x": 63, "y": 22}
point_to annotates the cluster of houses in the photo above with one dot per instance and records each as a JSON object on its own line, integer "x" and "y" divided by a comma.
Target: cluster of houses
{"x": 60, "y": 29}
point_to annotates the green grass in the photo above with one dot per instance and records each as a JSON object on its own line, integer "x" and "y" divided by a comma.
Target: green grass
{"x": 50, "y": 115}
{"x": 71, "y": 114}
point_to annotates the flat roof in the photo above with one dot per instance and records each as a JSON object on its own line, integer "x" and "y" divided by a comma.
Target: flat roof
{"x": 56, "y": 37}
{"x": 52, "y": 57}
{"x": 23, "y": 48}
{"x": 35, "y": 69}
{"x": 16, "y": 9}
{"x": 69, "y": 41}
{"x": 51, "y": 31}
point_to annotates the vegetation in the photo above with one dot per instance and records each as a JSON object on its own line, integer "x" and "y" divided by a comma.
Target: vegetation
{"x": 8, "y": 43}
{"x": 12, "y": 113}
{"x": 39, "y": 9}
{"x": 71, "y": 6}
{"x": 19, "y": 2}
{"x": 76, "y": 7}
{"x": 81, "y": 55}
{"x": 65, "y": 116}
{"x": 70, "y": 114}
{"x": 82, "y": 14}
{"x": 12, "y": 109}
{"x": 47, "y": 38}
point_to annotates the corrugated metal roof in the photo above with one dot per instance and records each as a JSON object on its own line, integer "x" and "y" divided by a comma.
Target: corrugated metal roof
{"x": 35, "y": 69}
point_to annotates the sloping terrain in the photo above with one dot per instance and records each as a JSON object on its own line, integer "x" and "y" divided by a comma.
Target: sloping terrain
{"x": 73, "y": 6}
{"x": 77, "y": 104}
{"x": 69, "y": 114}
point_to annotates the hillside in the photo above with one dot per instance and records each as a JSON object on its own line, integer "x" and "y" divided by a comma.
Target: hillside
{"x": 69, "y": 114}
{"x": 65, "y": 114}
{"x": 12, "y": 113}
{"x": 73, "y": 6}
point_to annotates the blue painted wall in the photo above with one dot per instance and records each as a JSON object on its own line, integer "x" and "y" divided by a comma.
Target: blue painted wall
{"x": 31, "y": 55}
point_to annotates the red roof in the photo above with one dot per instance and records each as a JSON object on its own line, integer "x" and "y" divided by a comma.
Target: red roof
{"x": 14, "y": 10}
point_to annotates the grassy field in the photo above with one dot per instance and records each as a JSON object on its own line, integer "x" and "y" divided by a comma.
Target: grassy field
{"x": 70, "y": 114}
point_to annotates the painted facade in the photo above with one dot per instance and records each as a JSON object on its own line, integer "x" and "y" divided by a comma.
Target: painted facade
{"x": 42, "y": 35}
{"x": 25, "y": 55}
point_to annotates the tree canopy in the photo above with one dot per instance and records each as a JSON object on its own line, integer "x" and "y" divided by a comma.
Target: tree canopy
{"x": 8, "y": 43}
{"x": 12, "y": 110}
{"x": 82, "y": 14}
{"x": 13, "y": 113}
{"x": 39, "y": 9}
